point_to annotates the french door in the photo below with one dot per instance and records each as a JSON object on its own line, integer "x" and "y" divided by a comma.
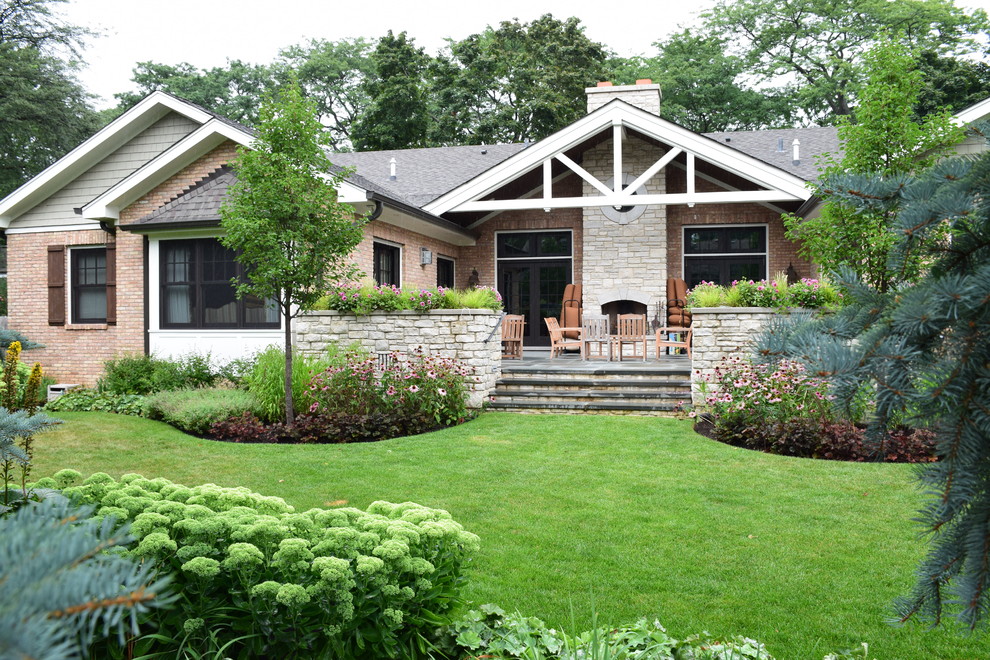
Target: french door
{"x": 533, "y": 278}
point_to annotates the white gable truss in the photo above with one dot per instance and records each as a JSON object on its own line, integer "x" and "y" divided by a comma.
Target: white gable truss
{"x": 778, "y": 186}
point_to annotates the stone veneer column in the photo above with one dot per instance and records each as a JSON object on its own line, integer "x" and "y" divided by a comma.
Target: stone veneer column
{"x": 624, "y": 258}
{"x": 721, "y": 332}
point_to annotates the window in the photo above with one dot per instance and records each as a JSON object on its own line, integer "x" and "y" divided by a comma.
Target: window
{"x": 89, "y": 285}
{"x": 724, "y": 254}
{"x": 529, "y": 245}
{"x": 445, "y": 272}
{"x": 387, "y": 264}
{"x": 196, "y": 289}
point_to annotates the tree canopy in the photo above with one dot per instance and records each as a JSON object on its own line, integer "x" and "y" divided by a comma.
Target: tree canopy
{"x": 704, "y": 87}
{"x": 282, "y": 216}
{"x": 44, "y": 111}
{"x": 886, "y": 141}
{"x": 813, "y": 49}
{"x": 516, "y": 82}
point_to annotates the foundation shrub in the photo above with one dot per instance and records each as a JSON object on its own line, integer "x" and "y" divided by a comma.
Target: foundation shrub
{"x": 274, "y": 582}
{"x": 144, "y": 374}
{"x": 196, "y": 410}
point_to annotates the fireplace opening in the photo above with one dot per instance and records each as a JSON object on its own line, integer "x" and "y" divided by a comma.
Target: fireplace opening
{"x": 616, "y": 307}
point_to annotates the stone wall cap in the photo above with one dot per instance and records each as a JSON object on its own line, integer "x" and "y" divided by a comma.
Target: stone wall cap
{"x": 733, "y": 310}
{"x": 401, "y": 312}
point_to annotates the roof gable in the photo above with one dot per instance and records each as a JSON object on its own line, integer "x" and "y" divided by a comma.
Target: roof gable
{"x": 92, "y": 151}
{"x": 619, "y": 116}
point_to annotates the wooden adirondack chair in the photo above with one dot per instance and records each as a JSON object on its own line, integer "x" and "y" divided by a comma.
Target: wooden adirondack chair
{"x": 557, "y": 340}
{"x": 513, "y": 326}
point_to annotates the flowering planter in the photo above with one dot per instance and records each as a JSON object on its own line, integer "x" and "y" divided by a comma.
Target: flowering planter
{"x": 467, "y": 335}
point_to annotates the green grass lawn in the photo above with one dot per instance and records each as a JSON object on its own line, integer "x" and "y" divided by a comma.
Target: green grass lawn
{"x": 628, "y": 516}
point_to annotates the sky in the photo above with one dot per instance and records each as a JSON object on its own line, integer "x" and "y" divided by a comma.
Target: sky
{"x": 207, "y": 34}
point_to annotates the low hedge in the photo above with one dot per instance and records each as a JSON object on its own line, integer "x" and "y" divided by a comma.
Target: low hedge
{"x": 196, "y": 410}
{"x": 273, "y": 582}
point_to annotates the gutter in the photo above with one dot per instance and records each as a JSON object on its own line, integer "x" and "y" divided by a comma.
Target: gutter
{"x": 416, "y": 212}
{"x": 139, "y": 228}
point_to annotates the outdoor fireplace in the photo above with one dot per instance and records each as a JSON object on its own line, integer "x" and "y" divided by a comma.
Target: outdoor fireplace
{"x": 616, "y": 307}
{"x": 624, "y": 301}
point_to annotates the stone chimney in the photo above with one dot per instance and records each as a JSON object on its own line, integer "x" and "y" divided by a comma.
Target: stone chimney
{"x": 644, "y": 94}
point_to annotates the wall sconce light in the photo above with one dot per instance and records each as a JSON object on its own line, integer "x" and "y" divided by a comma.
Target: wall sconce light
{"x": 425, "y": 257}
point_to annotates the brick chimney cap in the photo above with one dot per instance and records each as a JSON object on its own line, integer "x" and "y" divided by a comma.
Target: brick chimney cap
{"x": 645, "y": 81}
{"x": 605, "y": 83}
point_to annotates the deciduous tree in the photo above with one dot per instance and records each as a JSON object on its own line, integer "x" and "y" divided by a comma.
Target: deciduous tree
{"x": 887, "y": 142}
{"x": 282, "y": 215}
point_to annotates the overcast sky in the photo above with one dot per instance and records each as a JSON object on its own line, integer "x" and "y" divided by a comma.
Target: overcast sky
{"x": 207, "y": 34}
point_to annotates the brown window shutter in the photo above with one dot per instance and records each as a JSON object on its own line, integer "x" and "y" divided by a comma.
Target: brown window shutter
{"x": 56, "y": 285}
{"x": 111, "y": 284}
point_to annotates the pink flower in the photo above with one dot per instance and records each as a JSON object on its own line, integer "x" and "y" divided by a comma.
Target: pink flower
{"x": 414, "y": 388}
{"x": 441, "y": 391}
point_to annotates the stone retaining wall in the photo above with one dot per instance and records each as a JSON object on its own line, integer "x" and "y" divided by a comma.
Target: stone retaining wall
{"x": 462, "y": 334}
{"x": 720, "y": 332}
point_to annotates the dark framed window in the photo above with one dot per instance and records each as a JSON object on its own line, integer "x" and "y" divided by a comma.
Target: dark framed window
{"x": 387, "y": 264}
{"x": 89, "y": 284}
{"x": 532, "y": 245}
{"x": 197, "y": 292}
{"x": 445, "y": 272}
{"x": 724, "y": 254}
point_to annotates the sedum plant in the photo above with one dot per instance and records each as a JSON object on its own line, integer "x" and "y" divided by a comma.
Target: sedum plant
{"x": 271, "y": 581}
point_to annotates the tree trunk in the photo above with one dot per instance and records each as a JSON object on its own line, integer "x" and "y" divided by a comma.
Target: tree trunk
{"x": 290, "y": 416}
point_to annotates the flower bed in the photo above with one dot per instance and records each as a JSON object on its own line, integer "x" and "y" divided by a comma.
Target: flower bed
{"x": 782, "y": 409}
{"x": 367, "y": 298}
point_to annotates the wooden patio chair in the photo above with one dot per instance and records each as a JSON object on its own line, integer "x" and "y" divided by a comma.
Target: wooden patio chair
{"x": 570, "y": 311}
{"x": 557, "y": 340}
{"x": 596, "y": 337}
{"x": 630, "y": 330}
{"x": 513, "y": 326}
{"x": 664, "y": 340}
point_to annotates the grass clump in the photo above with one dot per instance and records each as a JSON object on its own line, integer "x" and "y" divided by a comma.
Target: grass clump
{"x": 196, "y": 410}
{"x": 266, "y": 380}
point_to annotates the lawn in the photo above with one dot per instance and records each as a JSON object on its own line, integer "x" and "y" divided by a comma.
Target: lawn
{"x": 628, "y": 516}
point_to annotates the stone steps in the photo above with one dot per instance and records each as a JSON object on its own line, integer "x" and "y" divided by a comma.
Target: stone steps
{"x": 637, "y": 389}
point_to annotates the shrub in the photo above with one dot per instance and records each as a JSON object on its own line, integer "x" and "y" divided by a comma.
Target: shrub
{"x": 426, "y": 390}
{"x": 275, "y": 582}
{"x": 8, "y": 337}
{"x": 144, "y": 374}
{"x": 88, "y": 400}
{"x": 266, "y": 381}
{"x": 195, "y": 411}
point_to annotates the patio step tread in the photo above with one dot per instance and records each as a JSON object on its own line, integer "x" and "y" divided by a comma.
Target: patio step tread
{"x": 597, "y": 370}
{"x": 582, "y": 405}
{"x": 588, "y": 383}
{"x": 659, "y": 397}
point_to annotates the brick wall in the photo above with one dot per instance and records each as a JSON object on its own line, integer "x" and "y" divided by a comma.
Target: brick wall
{"x": 180, "y": 182}
{"x": 75, "y": 353}
{"x": 413, "y": 273}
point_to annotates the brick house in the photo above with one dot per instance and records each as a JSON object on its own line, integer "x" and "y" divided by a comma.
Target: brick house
{"x": 112, "y": 249}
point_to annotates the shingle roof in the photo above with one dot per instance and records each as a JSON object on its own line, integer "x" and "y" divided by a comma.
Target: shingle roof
{"x": 198, "y": 205}
{"x": 423, "y": 175}
{"x": 774, "y": 146}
